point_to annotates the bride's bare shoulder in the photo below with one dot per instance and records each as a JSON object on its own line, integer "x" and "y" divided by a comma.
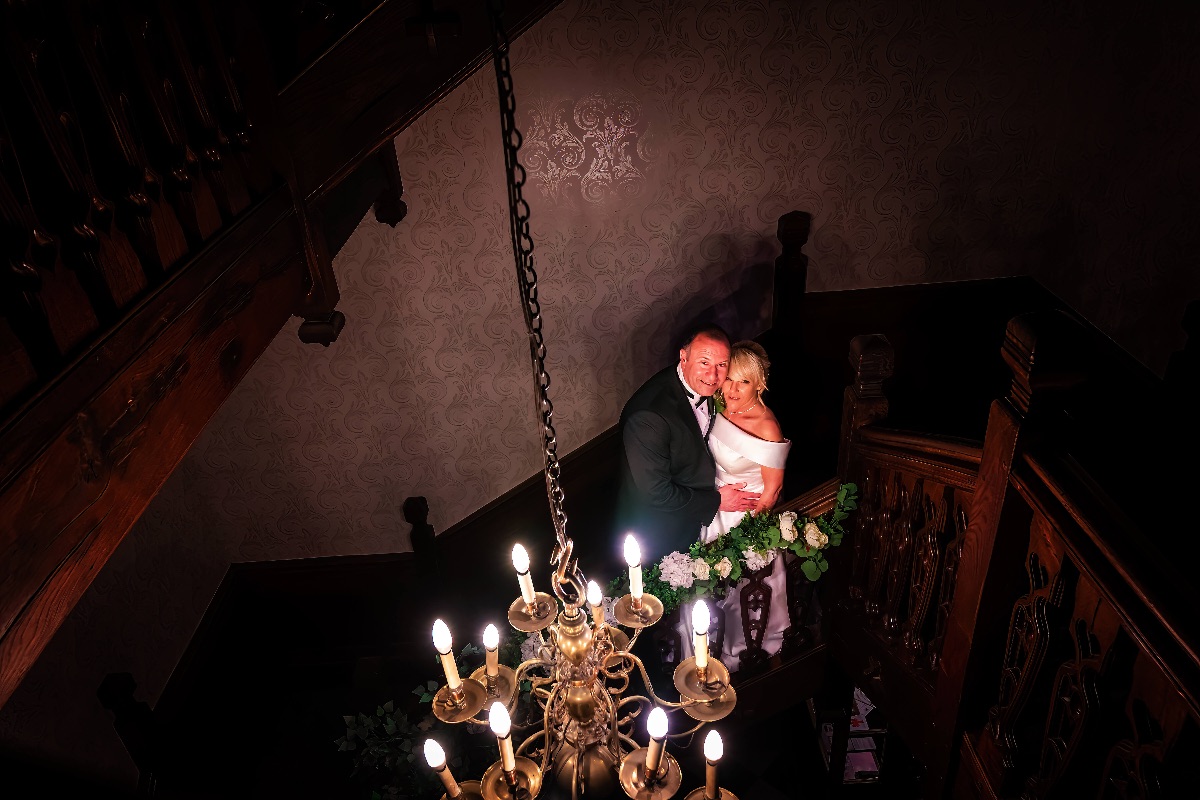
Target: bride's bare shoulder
{"x": 766, "y": 426}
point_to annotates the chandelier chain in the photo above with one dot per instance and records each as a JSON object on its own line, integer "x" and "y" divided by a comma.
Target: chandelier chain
{"x": 569, "y": 583}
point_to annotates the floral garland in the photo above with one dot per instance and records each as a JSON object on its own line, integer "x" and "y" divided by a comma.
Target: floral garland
{"x": 710, "y": 569}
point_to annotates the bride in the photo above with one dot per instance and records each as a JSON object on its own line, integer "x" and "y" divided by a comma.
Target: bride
{"x": 748, "y": 447}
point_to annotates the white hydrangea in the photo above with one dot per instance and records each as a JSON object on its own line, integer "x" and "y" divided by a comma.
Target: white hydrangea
{"x": 814, "y": 536}
{"x": 724, "y": 567}
{"x": 756, "y": 561}
{"x": 610, "y": 611}
{"x": 531, "y": 647}
{"x": 676, "y": 569}
{"x": 787, "y": 525}
{"x": 700, "y": 569}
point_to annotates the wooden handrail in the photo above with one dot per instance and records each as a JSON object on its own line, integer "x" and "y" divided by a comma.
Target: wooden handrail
{"x": 1047, "y": 589}
{"x": 1150, "y": 594}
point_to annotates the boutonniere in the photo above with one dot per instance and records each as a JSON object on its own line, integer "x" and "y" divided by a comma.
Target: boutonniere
{"x": 719, "y": 402}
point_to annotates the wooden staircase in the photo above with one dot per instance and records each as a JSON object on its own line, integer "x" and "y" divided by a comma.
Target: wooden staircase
{"x": 174, "y": 180}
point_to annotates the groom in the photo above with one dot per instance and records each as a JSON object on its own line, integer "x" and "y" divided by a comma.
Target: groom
{"x": 668, "y": 486}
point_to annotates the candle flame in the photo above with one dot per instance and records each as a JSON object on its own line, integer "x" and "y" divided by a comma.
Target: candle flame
{"x": 594, "y": 596}
{"x": 491, "y": 637}
{"x": 520, "y": 558}
{"x": 700, "y": 617}
{"x": 633, "y": 553}
{"x": 714, "y": 748}
{"x": 656, "y": 723}
{"x": 434, "y": 754}
{"x": 499, "y": 720}
{"x": 441, "y": 637}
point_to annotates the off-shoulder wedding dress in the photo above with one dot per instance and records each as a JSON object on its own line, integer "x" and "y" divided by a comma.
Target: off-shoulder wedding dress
{"x": 740, "y": 457}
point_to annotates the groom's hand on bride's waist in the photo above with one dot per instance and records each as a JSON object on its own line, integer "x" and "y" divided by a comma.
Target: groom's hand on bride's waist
{"x": 734, "y": 499}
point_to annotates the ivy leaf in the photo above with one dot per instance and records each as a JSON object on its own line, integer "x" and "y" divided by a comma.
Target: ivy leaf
{"x": 773, "y": 537}
{"x": 388, "y": 706}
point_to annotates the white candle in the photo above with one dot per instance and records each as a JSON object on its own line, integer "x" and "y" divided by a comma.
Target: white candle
{"x": 436, "y": 756}
{"x": 656, "y": 724}
{"x": 714, "y": 748}
{"x": 502, "y": 727}
{"x": 700, "y": 623}
{"x": 520, "y": 560}
{"x": 491, "y": 643}
{"x": 444, "y": 645}
{"x": 633, "y": 557}
{"x": 595, "y": 599}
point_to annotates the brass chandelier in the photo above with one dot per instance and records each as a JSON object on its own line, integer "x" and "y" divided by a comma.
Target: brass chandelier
{"x": 581, "y": 676}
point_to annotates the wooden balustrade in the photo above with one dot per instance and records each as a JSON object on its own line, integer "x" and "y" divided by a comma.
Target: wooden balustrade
{"x": 1005, "y": 614}
{"x": 168, "y": 173}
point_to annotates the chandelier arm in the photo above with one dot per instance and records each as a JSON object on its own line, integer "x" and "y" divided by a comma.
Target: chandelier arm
{"x": 546, "y": 726}
{"x": 569, "y": 582}
{"x": 649, "y": 686}
{"x": 629, "y": 741}
{"x": 690, "y": 732}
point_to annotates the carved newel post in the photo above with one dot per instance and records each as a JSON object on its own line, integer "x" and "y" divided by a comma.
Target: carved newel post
{"x": 872, "y": 359}
{"x": 1039, "y": 350}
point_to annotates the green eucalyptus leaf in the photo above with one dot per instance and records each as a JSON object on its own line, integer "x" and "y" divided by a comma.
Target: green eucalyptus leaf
{"x": 811, "y": 570}
{"x": 823, "y": 564}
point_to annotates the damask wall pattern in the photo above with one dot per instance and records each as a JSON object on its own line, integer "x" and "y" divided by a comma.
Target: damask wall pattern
{"x": 929, "y": 142}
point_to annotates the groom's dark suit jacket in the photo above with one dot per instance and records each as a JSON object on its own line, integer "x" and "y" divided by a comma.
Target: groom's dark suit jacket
{"x": 668, "y": 487}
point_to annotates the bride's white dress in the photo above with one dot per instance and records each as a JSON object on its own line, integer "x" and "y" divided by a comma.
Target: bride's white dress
{"x": 740, "y": 457}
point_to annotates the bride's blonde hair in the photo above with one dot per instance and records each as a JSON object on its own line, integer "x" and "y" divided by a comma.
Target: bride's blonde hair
{"x": 750, "y": 359}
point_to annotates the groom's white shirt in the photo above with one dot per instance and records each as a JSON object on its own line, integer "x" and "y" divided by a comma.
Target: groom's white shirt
{"x": 702, "y": 419}
{"x": 701, "y": 411}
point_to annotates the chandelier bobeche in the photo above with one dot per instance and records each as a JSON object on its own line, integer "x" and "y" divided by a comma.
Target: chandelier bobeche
{"x": 581, "y": 675}
{"x": 580, "y": 678}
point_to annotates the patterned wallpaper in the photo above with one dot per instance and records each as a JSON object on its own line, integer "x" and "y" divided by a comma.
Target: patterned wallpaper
{"x": 929, "y": 141}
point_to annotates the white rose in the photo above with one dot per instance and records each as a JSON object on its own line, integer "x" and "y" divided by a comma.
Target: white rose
{"x": 787, "y": 525}
{"x": 756, "y": 561}
{"x": 724, "y": 567}
{"x": 814, "y": 537}
{"x": 700, "y": 569}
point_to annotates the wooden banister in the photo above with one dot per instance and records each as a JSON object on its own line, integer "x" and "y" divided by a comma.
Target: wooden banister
{"x": 165, "y": 178}
{"x": 1016, "y": 626}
